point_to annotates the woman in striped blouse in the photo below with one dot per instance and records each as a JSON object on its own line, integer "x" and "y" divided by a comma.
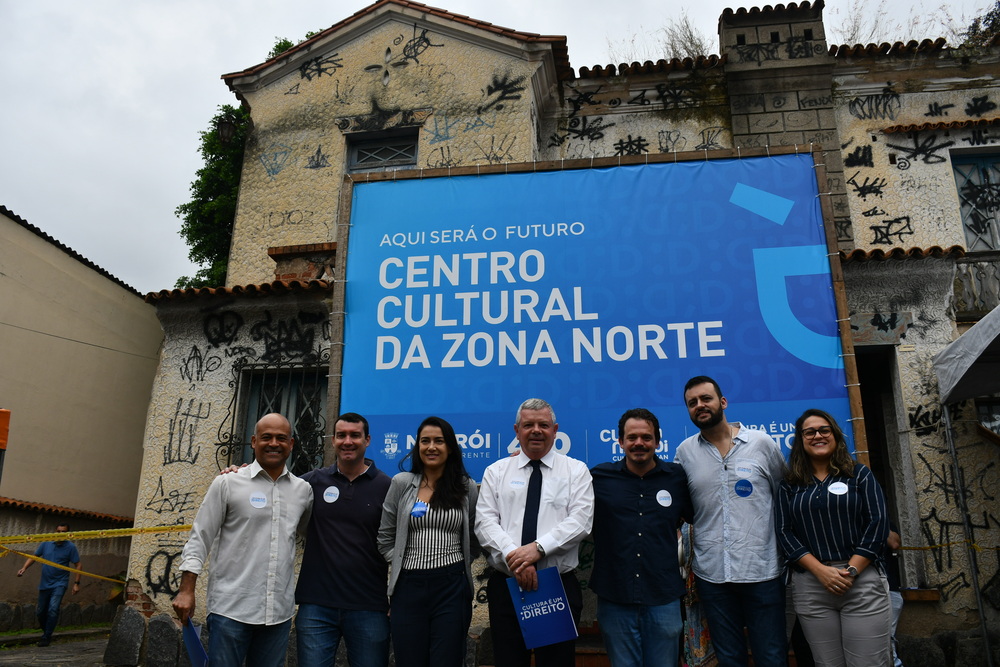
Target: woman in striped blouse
{"x": 832, "y": 525}
{"x": 426, "y": 536}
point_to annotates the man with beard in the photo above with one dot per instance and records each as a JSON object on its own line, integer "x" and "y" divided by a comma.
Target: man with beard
{"x": 638, "y": 505}
{"x": 733, "y": 474}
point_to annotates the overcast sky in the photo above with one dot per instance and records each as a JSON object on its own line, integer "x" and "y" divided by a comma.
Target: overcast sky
{"x": 103, "y": 100}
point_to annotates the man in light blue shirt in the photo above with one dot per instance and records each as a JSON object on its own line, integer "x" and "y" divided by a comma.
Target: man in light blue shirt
{"x": 733, "y": 474}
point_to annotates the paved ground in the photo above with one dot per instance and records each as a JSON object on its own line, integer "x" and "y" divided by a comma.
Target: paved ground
{"x": 79, "y": 649}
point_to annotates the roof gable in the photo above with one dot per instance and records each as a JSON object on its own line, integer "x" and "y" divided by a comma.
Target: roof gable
{"x": 423, "y": 18}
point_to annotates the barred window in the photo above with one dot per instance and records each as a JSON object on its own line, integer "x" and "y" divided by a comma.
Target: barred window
{"x": 298, "y": 394}
{"x": 387, "y": 152}
{"x": 977, "y": 177}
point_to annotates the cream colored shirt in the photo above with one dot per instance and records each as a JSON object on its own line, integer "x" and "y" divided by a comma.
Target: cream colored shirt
{"x": 255, "y": 520}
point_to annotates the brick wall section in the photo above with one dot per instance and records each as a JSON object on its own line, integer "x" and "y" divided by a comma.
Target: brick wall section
{"x": 310, "y": 261}
{"x": 137, "y": 599}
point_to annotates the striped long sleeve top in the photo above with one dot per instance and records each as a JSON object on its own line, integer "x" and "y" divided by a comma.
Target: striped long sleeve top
{"x": 833, "y": 519}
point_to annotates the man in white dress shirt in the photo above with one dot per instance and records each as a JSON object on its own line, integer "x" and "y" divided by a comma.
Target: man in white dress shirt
{"x": 254, "y": 514}
{"x": 516, "y": 547}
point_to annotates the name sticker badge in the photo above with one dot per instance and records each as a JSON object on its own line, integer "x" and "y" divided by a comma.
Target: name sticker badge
{"x": 838, "y": 488}
{"x": 258, "y": 500}
{"x": 744, "y": 470}
{"x": 664, "y": 498}
{"x": 331, "y": 494}
{"x": 744, "y": 488}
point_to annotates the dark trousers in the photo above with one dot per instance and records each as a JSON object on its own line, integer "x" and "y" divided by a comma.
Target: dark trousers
{"x": 429, "y": 617}
{"x": 508, "y": 644}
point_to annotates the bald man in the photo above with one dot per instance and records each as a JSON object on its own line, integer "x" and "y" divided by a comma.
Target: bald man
{"x": 254, "y": 514}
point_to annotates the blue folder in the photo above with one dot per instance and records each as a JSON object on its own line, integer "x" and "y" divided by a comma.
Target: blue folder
{"x": 544, "y": 614}
{"x": 192, "y": 642}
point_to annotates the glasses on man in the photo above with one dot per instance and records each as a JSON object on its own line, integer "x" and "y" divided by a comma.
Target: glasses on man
{"x": 813, "y": 432}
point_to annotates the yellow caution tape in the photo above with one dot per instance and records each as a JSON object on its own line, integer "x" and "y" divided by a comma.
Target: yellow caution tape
{"x": 43, "y": 561}
{"x": 92, "y": 534}
{"x": 81, "y": 535}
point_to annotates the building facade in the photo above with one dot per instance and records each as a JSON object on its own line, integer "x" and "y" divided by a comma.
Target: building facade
{"x": 910, "y": 140}
{"x": 78, "y": 350}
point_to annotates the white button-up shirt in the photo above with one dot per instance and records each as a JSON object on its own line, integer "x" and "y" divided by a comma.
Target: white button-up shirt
{"x": 255, "y": 520}
{"x": 734, "y": 506}
{"x": 565, "y": 513}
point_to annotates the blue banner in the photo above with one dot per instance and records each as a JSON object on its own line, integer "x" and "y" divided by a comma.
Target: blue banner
{"x": 597, "y": 290}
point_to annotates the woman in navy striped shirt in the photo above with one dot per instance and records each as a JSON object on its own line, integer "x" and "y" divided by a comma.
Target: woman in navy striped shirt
{"x": 832, "y": 526}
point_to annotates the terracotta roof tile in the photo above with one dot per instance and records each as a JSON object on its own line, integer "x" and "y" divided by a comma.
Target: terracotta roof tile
{"x": 649, "y": 67}
{"x": 729, "y": 14}
{"x": 264, "y": 289}
{"x": 558, "y": 42}
{"x": 951, "y": 125}
{"x": 879, "y": 255}
{"x": 66, "y": 249}
{"x": 63, "y": 511}
{"x": 885, "y": 49}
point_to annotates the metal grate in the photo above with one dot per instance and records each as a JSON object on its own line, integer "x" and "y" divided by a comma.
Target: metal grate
{"x": 297, "y": 392}
{"x": 978, "y": 181}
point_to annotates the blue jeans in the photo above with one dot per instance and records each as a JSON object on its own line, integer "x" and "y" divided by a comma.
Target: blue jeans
{"x": 230, "y": 642}
{"x": 760, "y": 608}
{"x": 47, "y": 611}
{"x": 318, "y": 630}
{"x": 638, "y": 635}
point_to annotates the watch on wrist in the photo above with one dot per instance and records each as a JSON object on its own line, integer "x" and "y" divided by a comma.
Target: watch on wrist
{"x": 852, "y": 571}
{"x": 541, "y": 550}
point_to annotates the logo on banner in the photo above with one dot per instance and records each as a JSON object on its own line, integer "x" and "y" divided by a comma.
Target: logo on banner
{"x": 391, "y": 445}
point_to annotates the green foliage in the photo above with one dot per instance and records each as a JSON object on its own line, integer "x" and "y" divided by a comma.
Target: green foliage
{"x": 207, "y": 220}
{"x": 281, "y": 44}
{"x": 984, "y": 28}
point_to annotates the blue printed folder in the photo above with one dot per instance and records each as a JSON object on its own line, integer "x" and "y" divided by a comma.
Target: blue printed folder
{"x": 543, "y": 614}
{"x": 192, "y": 641}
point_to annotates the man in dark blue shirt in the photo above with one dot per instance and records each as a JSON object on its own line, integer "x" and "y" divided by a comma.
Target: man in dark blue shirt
{"x": 639, "y": 504}
{"x": 54, "y": 581}
{"x": 343, "y": 580}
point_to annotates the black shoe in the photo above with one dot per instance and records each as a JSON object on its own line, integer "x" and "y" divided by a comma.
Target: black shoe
{"x": 44, "y": 641}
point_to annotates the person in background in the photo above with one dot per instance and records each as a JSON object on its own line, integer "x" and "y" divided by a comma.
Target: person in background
{"x": 427, "y": 537}
{"x": 52, "y": 586}
{"x": 895, "y": 596}
{"x": 832, "y": 526}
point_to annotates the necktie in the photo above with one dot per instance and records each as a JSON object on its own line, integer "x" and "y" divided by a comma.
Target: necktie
{"x": 529, "y": 526}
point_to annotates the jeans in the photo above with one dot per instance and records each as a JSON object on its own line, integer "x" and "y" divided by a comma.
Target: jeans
{"x": 638, "y": 635}
{"x": 760, "y": 607}
{"x": 430, "y": 615}
{"x": 318, "y": 631}
{"x": 896, "y": 600}
{"x": 47, "y": 611}
{"x": 230, "y": 642}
